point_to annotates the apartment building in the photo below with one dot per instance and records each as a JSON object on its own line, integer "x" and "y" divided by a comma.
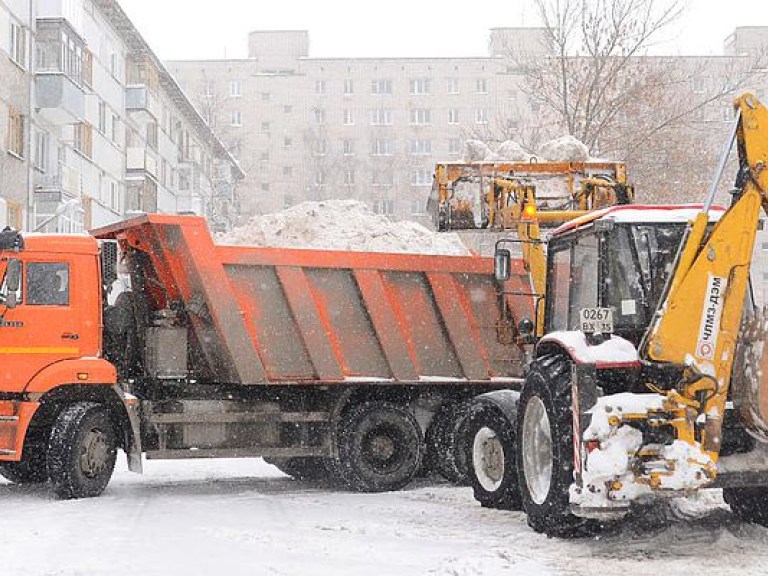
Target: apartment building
{"x": 316, "y": 128}
{"x": 96, "y": 127}
{"x": 309, "y": 128}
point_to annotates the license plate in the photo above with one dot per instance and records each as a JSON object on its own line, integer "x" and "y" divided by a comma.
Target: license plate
{"x": 594, "y": 320}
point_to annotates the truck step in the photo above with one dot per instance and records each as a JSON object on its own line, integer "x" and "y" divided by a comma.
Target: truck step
{"x": 251, "y": 452}
{"x": 9, "y": 419}
{"x": 7, "y": 452}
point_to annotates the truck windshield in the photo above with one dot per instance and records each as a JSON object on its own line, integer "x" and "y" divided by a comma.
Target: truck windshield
{"x": 640, "y": 260}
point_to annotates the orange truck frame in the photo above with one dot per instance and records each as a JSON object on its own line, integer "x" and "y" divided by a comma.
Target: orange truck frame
{"x": 356, "y": 367}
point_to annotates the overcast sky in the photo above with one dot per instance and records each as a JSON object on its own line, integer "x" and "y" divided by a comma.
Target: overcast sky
{"x": 197, "y": 29}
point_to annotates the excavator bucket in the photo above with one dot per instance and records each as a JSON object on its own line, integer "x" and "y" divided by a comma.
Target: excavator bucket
{"x": 750, "y": 374}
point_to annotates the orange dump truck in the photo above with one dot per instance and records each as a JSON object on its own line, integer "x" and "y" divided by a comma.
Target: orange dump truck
{"x": 351, "y": 366}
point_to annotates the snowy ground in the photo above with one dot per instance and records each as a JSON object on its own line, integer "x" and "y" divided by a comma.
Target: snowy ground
{"x": 231, "y": 517}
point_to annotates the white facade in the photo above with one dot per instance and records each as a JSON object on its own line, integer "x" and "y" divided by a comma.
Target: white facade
{"x": 106, "y": 129}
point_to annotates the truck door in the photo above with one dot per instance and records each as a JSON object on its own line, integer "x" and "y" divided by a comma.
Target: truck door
{"x": 50, "y": 322}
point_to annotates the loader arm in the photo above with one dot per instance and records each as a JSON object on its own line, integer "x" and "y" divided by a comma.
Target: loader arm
{"x": 697, "y": 323}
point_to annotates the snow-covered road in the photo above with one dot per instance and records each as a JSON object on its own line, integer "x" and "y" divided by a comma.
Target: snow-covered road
{"x": 231, "y": 517}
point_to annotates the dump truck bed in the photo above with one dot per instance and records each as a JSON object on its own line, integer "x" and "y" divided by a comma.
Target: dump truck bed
{"x": 279, "y": 316}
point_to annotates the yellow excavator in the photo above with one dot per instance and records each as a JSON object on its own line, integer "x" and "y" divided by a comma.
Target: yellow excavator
{"x": 646, "y": 378}
{"x": 523, "y": 197}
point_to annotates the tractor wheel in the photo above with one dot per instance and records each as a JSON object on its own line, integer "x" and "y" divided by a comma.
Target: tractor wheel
{"x": 748, "y": 504}
{"x": 544, "y": 446}
{"x": 446, "y": 442}
{"x": 490, "y": 452}
{"x": 81, "y": 451}
{"x": 31, "y": 469}
{"x": 380, "y": 447}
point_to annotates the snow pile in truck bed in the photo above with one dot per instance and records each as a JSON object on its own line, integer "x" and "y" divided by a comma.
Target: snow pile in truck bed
{"x": 564, "y": 149}
{"x": 342, "y": 225}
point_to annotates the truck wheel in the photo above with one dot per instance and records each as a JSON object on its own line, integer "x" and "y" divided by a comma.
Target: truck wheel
{"x": 311, "y": 468}
{"x": 31, "y": 469}
{"x": 544, "y": 446}
{"x": 490, "y": 452}
{"x": 81, "y": 451}
{"x": 380, "y": 447}
{"x": 748, "y": 504}
{"x": 446, "y": 442}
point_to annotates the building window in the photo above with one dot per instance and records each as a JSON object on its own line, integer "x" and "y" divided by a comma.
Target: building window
{"x": 264, "y": 187}
{"x": 114, "y": 196}
{"x": 347, "y": 148}
{"x": 102, "y": 117}
{"x": 287, "y": 171}
{"x": 453, "y": 86}
{"x": 349, "y": 87}
{"x": 421, "y": 116}
{"x": 421, "y": 86}
{"x": 266, "y": 96}
{"x": 349, "y": 177}
{"x": 381, "y": 87}
{"x": 418, "y": 207}
{"x": 481, "y": 116}
{"x": 235, "y": 88}
{"x": 319, "y": 115}
{"x": 320, "y": 86}
{"x": 115, "y": 127}
{"x": 319, "y": 178}
{"x": 87, "y": 67}
{"x": 18, "y": 44}
{"x": 382, "y": 147}
{"x": 382, "y": 178}
{"x": 183, "y": 179}
{"x": 235, "y": 118}
{"x": 287, "y": 201}
{"x": 265, "y": 127}
{"x": 384, "y": 207}
{"x": 454, "y": 146}
{"x": 287, "y": 109}
{"x": 320, "y": 147}
{"x": 420, "y": 146}
{"x": 453, "y": 116}
{"x": 15, "y": 142}
{"x": 421, "y": 177}
{"x": 380, "y": 117}
{"x": 40, "y": 152}
{"x": 481, "y": 86}
{"x": 698, "y": 85}
{"x": 349, "y": 117}
{"x": 287, "y": 142}
{"x": 209, "y": 88}
{"x": 84, "y": 139}
{"x": 152, "y": 135}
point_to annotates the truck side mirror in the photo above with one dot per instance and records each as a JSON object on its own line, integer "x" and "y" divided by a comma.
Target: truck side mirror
{"x": 12, "y": 281}
{"x": 502, "y": 264}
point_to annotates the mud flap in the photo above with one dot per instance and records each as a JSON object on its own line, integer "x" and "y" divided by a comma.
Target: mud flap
{"x": 133, "y": 431}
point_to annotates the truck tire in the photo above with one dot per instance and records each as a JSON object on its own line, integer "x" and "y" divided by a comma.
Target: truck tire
{"x": 491, "y": 454}
{"x": 380, "y": 447}
{"x": 544, "y": 446}
{"x": 81, "y": 451}
{"x": 446, "y": 442}
{"x": 31, "y": 469}
{"x": 748, "y": 504}
{"x": 310, "y": 468}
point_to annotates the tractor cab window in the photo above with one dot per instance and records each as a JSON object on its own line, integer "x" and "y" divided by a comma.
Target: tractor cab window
{"x": 625, "y": 285}
{"x": 573, "y": 281}
{"x": 47, "y": 284}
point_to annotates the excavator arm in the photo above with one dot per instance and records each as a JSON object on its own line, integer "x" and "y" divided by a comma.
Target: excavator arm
{"x": 693, "y": 336}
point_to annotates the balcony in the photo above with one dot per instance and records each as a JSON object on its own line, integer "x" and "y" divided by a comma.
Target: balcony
{"x": 60, "y": 99}
{"x": 58, "y": 186}
{"x": 140, "y": 159}
{"x": 140, "y": 102}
